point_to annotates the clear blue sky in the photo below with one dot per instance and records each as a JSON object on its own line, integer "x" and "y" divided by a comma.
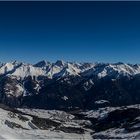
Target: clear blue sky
{"x": 72, "y": 31}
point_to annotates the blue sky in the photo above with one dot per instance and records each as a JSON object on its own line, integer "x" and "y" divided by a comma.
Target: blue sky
{"x": 72, "y": 31}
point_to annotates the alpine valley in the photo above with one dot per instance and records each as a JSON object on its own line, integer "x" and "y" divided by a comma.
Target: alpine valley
{"x": 69, "y": 100}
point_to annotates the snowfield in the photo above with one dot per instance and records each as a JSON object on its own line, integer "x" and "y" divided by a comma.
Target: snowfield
{"x": 15, "y": 126}
{"x": 20, "y": 123}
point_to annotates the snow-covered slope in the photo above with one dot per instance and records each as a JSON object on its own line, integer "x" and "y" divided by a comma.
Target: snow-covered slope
{"x": 62, "y": 69}
{"x": 26, "y": 70}
{"x": 40, "y": 124}
{"x": 103, "y": 123}
{"x": 117, "y": 69}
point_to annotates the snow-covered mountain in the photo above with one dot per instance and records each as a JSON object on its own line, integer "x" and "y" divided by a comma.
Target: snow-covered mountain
{"x": 68, "y": 84}
{"x": 96, "y": 100}
{"x": 62, "y": 69}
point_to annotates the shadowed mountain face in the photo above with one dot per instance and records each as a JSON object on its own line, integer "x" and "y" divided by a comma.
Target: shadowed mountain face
{"x": 68, "y": 85}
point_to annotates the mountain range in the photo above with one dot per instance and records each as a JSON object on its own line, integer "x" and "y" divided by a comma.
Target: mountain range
{"x": 69, "y": 85}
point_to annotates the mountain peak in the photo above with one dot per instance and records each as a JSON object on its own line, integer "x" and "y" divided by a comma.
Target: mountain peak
{"x": 42, "y": 63}
{"x": 60, "y": 63}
